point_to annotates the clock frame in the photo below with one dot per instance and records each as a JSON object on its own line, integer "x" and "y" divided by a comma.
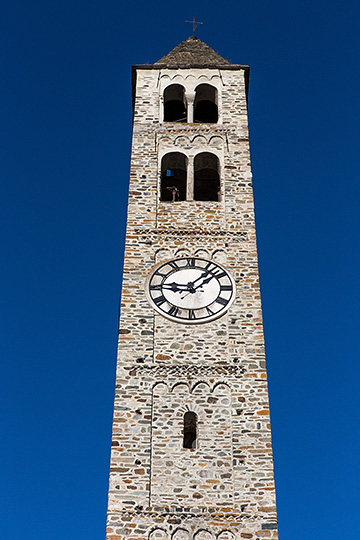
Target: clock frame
{"x": 190, "y": 290}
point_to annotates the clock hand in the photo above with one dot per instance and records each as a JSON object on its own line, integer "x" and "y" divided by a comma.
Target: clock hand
{"x": 175, "y": 287}
{"x": 187, "y": 294}
{"x": 182, "y": 287}
{"x": 204, "y": 282}
{"x": 179, "y": 287}
{"x": 200, "y": 277}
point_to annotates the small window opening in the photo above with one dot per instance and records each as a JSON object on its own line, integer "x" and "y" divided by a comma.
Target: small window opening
{"x": 174, "y": 104}
{"x": 206, "y": 177}
{"x": 205, "y": 106}
{"x": 190, "y": 430}
{"x": 173, "y": 177}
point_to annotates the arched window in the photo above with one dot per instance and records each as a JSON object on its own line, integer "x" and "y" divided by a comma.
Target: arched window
{"x": 190, "y": 430}
{"x": 173, "y": 177}
{"x": 206, "y": 177}
{"x": 174, "y": 104}
{"x": 205, "y": 106}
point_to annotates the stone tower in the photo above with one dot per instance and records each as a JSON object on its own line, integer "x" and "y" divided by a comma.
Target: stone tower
{"x": 191, "y": 445}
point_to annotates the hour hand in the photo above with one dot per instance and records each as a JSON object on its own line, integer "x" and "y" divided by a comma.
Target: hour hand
{"x": 174, "y": 287}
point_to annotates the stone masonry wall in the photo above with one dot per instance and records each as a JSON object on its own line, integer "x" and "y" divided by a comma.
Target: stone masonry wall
{"x": 224, "y": 488}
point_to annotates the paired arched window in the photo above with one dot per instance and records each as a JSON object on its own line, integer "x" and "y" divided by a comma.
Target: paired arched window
{"x": 205, "y": 105}
{"x": 190, "y": 430}
{"x": 204, "y": 109}
{"x": 174, "y": 103}
{"x": 173, "y": 177}
{"x": 201, "y": 185}
{"x": 206, "y": 177}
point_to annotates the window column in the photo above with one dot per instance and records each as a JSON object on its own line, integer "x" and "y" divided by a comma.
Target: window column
{"x": 190, "y": 179}
{"x": 190, "y": 99}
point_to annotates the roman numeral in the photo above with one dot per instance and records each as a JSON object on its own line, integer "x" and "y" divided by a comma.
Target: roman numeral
{"x": 191, "y": 314}
{"x": 173, "y": 264}
{"x": 221, "y": 301}
{"x": 218, "y": 273}
{"x": 215, "y": 270}
{"x": 173, "y": 311}
{"x": 159, "y": 300}
{"x": 225, "y": 287}
{"x": 209, "y": 312}
{"x": 190, "y": 261}
{"x": 155, "y": 287}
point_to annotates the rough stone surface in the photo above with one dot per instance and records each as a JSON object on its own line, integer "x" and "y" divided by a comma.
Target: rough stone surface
{"x": 223, "y": 489}
{"x": 191, "y": 52}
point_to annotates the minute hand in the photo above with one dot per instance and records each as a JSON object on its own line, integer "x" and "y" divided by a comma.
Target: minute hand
{"x": 200, "y": 277}
{"x": 200, "y": 285}
{"x": 204, "y": 282}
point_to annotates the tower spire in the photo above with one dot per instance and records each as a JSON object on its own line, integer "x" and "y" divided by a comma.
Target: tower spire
{"x": 195, "y": 24}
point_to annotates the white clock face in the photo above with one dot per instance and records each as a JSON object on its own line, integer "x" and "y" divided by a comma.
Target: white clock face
{"x": 190, "y": 290}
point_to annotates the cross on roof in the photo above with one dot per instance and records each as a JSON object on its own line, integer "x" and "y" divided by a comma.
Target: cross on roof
{"x": 195, "y": 24}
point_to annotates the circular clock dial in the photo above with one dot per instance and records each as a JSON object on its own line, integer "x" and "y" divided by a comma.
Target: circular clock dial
{"x": 190, "y": 289}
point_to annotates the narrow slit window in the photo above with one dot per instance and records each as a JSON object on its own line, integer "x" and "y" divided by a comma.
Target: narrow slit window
{"x": 190, "y": 430}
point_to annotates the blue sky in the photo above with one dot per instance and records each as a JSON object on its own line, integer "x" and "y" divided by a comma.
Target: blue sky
{"x": 65, "y": 109}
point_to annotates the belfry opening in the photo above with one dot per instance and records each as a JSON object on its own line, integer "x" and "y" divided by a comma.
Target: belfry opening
{"x": 206, "y": 177}
{"x": 174, "y": 103}
{"x": 205, "y": 107}
{"x": 173, "y": 177}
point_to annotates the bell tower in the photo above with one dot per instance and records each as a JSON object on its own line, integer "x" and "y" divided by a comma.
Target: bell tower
{"x": 191, "y": 445}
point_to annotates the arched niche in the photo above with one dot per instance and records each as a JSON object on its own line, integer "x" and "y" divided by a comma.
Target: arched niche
{"x": 180, "y": 534}
{"x": 173, "y": 177}
{"x": 201, "y": 388}
{"x": 162, "y": 255}
{"x": 203, "y": 535}
{"x": 226, "y": 535}
{"x": 160, "y": 388}
{"x": 205, "y": 105}
{"x": 174, "y": 103}
{"x": 206, "y": 177}
{"x": 158, "y": 534}
{"x": 221, "y": 389}
{"x": 181, "y": 388}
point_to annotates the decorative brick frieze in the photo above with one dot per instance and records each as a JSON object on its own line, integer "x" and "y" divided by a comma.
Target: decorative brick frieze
{"x": 186, "y": 370}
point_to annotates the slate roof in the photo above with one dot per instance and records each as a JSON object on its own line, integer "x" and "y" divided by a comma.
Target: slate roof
{"x": 192, "y": 52}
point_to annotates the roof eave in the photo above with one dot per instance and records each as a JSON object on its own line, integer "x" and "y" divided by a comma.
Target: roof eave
{"x": 187, "y": 66}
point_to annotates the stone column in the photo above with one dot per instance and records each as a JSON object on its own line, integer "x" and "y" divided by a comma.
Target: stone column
{"x": 190, "y": 179}
{"x": 190, "y": 98}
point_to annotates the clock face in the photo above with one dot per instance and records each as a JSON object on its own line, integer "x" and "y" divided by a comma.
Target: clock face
{"x": 190, "y": 290}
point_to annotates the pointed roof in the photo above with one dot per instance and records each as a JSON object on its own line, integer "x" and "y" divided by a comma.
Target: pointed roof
{"x": 192, "y": 52}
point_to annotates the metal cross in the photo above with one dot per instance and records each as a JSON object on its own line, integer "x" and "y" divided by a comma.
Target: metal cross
{"x": 195, "y": 24}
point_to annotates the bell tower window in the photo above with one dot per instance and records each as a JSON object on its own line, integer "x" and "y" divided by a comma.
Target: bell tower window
{"x": 174, "y": 103}
{"x": 173, "y": 177}
{"x": 205, "y": 106}
{"x": 190, "y": 430}
{"x": 206, "y": 177}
